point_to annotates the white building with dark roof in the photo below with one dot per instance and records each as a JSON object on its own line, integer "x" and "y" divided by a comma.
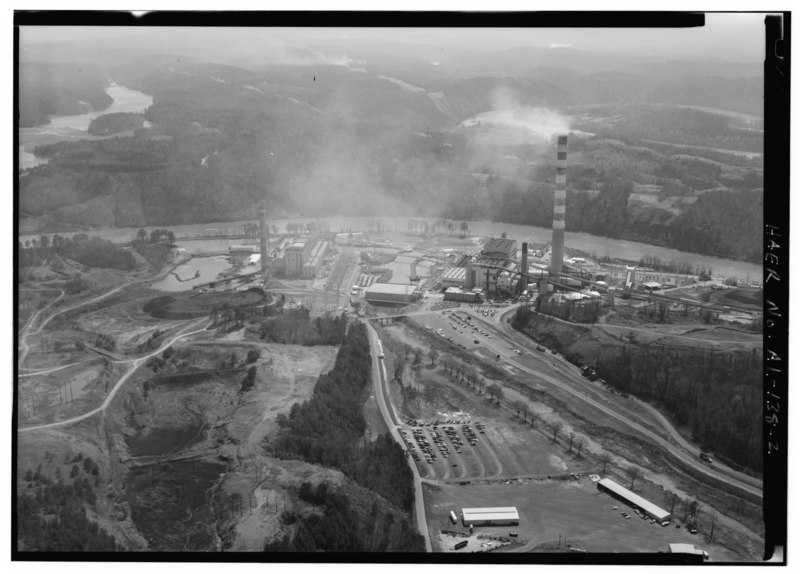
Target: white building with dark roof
{"x": 633, "y": 499}
{"x": 490, "y": 516}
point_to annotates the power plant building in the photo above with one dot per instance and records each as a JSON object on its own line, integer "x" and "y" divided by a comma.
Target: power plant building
{"x": 499, "y": 248}
{"x": 303, "y": 259}
{"x": 391, "y": 293}
{"x": 454, "y": 277}
{"x": 315, "y": 258}
{"x": 484, "y": 270}
{"x": 500, "y": 516}
{"x": 294, "y": 257}
{"x": 456, "y": 294}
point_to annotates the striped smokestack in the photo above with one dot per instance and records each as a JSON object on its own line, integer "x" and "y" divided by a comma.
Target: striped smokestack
{"x": 263, "y": 238}
{"x": 523, "y": 277}
{"x": 559, "y": 208}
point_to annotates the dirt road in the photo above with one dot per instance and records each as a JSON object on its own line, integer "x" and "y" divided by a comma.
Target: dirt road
{"x": 135, "y": 364}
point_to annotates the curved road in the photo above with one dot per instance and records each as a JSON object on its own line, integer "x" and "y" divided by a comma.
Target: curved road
{"x": 136, "y": 363}
{"x": 720, "y": 472}
{"x": 26, "y": 329}
{"x": 378, "y": 379}
{"x": 684, "y": 450}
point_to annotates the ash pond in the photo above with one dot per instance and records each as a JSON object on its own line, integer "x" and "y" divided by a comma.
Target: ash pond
{"x": 194, "y": 272}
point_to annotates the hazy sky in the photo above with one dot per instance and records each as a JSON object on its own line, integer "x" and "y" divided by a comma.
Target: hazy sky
{"x": 726, "y": 36}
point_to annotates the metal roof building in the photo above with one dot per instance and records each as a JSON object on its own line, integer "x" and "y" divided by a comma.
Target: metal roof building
{"x": 390, "y": 293}
{"x": 682, "y": 548}
{"x": 633, "y": 499}
{"x": 454, "y": 277}
{"x": 497, "y": 516}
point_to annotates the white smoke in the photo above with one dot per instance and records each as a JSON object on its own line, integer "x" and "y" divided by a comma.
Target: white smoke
{"x": 537, "y": 121}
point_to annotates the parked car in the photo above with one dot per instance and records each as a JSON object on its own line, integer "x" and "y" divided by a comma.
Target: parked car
{"x": 705, "y": 458}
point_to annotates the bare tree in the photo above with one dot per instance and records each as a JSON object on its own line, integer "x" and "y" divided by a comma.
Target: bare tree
{"x": 525, "y": 412}
{"x": 555, "y": 427}
{"x": 433, "y": 354}
{"x": 534, "y": 417}
{"x": 713, "y": 522}
{"x": 499, "y": 394}
{"x": 571, "y": 440}
{"x": 579, "y": 442}
{"x": 672, "y": 499}
{"x": 634, "y": 474}
{"x": 605, "y": 458}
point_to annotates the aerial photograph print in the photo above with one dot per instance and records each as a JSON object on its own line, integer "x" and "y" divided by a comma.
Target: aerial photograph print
{"x": 498, "y": 288}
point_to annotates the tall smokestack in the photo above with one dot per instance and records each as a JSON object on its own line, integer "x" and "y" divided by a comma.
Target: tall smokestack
{"x": 559, "y": 208}
{"x": 523, "y": 277}
{"x": 263, "y": 237}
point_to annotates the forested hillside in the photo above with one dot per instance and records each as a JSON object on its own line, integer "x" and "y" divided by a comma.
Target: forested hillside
{"x": 328, "y": 430}
{"x": 716, "y": 395}
{"x": 327, "y": 140}
{"x": 56, "y": 89}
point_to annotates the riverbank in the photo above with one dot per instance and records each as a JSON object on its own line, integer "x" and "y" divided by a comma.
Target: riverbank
{"x": 74, "y": 127}
{"x": 586, "y": 242}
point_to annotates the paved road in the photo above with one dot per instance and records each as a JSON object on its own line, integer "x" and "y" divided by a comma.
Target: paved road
{"x": 136, "y": 363}
{"x": 684, "y": 450}
{"x": 505, "y": 336}
{"x": 379, "y": 380}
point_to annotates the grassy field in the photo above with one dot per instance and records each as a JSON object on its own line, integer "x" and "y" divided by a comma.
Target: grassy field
{"x": 571, "y": 509}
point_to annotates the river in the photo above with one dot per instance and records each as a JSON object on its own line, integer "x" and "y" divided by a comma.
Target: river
{"x": 125, "y": 100}
{"x": 592, "y": 244}
{"x": 74, "y": 127}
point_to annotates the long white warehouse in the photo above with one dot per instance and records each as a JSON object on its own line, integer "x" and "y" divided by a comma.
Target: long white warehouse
{"x": 633, "y": 499}
{"x": 499, "y": 516}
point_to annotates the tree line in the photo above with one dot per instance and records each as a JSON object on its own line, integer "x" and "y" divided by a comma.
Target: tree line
{"x": 296, "y": 327}
{"x": 329, "y": 428}
{"x": 340, "y": 528}
{"x": 716, "y": 395}
{"x": 90, "y": 251}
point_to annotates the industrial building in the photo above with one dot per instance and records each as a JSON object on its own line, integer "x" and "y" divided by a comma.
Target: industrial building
{"x": 304, "y": 258}
{"x": 456, "y": 294}
{"x": 632, "y": 499}
{"x": 494, "y": 268}
{"x": 500, "y": 516}
{"x": 391, "y": 293}
{"x": 316, "y": 254}
{"x": 499, "y": 248}
{"x": 293, "y": 258}
{"x": 454, "y": 277}
{"x": 483, "y": 272}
